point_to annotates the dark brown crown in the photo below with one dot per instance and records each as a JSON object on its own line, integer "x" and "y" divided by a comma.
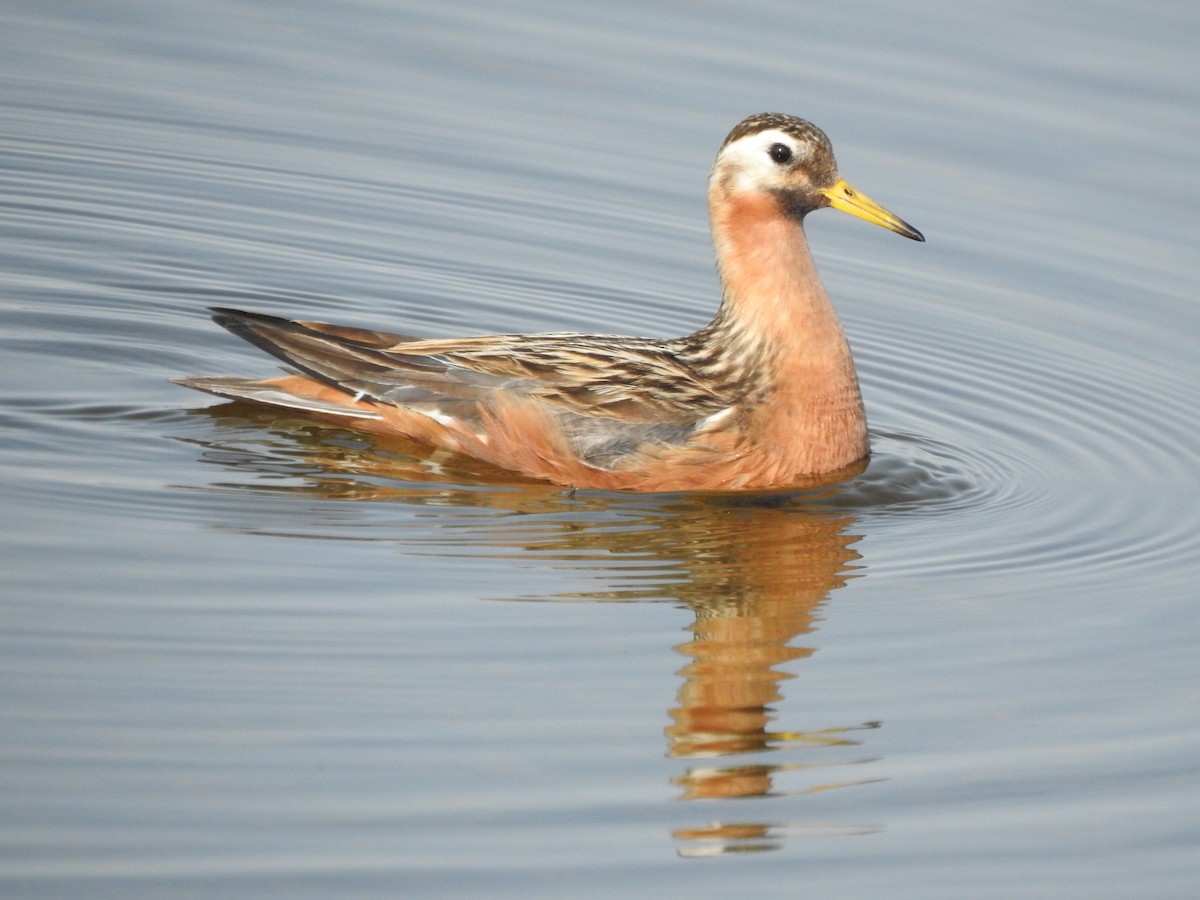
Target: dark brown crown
{"x": 801, "y": 129}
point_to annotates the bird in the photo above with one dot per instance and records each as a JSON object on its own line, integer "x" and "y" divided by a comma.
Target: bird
{"x": 764, "y": 397}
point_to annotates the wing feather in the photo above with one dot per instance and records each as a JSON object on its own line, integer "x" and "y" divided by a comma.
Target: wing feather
{"x": 630, "y": 379}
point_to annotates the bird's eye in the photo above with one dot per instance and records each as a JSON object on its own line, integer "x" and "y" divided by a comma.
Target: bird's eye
{"x": 781, "y": 153}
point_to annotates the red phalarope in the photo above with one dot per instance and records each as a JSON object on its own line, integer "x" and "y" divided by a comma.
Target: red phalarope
{"x": 764, "y": 396}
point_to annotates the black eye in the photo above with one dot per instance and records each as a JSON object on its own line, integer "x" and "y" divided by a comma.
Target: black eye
{"x": 781, "y": 153}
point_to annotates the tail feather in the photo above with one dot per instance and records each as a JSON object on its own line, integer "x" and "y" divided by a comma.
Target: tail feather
{"x": 343, "y": 370}
{"x": 346, "y": 361}
{"x": 361, "y": 362}
{"x": 273, "y": 393}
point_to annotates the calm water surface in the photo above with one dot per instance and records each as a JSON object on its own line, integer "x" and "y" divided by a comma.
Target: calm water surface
{"x": 244, "y": 655}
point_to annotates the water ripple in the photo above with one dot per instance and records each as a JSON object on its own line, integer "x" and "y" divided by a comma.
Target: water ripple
{"x": 1049, "y": 447}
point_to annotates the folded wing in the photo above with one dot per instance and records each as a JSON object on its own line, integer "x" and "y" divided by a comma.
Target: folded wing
{"x": 609, "y": 396}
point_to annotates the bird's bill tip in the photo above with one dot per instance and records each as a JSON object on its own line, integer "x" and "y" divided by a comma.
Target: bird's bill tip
{"x": 847, "y": 199}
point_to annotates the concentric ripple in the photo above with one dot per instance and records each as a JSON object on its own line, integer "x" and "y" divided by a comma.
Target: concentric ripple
{"x": 1042, "y": 450}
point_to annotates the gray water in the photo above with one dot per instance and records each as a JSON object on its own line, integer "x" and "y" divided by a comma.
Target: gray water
{"x": 242, "y": 654}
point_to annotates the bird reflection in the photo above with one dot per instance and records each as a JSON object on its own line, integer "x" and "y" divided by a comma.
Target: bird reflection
{"x": 754, "y": 570}
{"x": 753, "y": 598}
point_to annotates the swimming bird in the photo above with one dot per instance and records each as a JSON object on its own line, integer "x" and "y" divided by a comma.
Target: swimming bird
{"x": 764, "y": 396}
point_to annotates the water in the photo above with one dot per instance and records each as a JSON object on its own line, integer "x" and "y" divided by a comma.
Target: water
{"x": 242, "y": 654}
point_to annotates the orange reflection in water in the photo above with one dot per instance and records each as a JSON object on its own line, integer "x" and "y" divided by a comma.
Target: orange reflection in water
{"x": 752, "y": 601}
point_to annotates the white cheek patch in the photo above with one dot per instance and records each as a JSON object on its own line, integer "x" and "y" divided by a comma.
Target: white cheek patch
{"x": 746, "y": 164}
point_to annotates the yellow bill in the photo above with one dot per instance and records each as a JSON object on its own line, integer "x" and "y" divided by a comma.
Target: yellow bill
{"x": 847, "y": 199}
